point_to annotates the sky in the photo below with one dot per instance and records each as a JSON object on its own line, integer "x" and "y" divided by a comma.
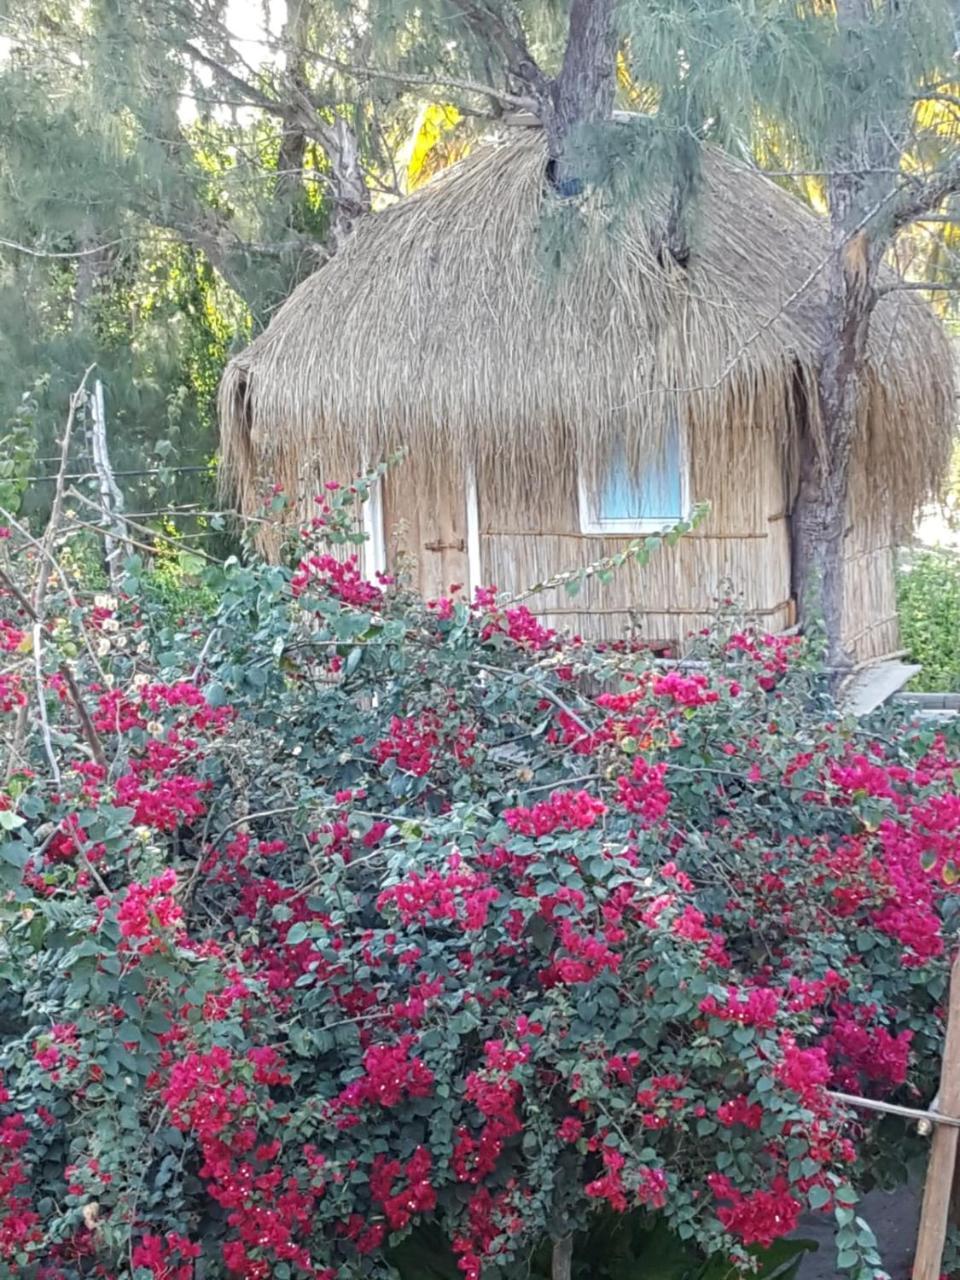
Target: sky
{"x": 245, "y": 22}
{"x": 245, "y": 19}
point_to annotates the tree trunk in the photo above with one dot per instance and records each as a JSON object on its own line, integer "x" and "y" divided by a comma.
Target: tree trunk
{"x": 861, "y": 164}
{"x": 561, "y": 1266}
{"x": 820, "y": 509}
{"x": 584, "y": 90}
{"x": 301, "y": 121}
{"x": 818, "y": 527}
{"x": 351, "y": 195}
{"x": 293, "y": 140}
{"x": 92, "y": 269}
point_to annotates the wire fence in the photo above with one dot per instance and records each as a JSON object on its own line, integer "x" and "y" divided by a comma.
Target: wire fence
{"x": 83, "y": 476}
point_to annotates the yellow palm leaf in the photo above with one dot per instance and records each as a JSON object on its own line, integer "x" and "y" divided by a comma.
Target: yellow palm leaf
{"x": 432, "y": 146}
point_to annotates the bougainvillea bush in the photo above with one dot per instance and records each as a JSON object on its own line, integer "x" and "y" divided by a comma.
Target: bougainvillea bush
{"x": 342, "y": 917}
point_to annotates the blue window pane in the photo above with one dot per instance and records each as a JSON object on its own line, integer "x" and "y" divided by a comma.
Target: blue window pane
{"x": 655, "y": 493}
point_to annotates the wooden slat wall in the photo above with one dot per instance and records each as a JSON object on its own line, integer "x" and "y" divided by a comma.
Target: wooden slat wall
{"x": 425, "y": 525}
{"x": 871, "y": 627}
{"x": 743, "y": 547}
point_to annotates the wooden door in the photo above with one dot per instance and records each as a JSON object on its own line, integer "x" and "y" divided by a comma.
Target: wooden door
{"x": 425, "y": 528}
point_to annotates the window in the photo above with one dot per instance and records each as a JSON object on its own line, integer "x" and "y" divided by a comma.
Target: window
{"x": 628, "y": 502}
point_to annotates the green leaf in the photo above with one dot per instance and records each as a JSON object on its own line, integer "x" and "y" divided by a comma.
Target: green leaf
{"x": 353, "y": 660}
{"x": 14, "y": 853}
{"x": 215, "y": 694}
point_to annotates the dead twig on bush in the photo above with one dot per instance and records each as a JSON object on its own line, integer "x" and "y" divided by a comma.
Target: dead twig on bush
{"x": 56, "y": 509}
{"x": 44, "y": 570}
{"x": 83, "y": 715}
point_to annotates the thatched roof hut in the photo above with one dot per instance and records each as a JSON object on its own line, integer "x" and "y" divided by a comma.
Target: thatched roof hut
{"x": 519, "y": 386}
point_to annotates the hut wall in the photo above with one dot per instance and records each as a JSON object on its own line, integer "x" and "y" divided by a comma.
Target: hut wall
{"x": 425, "y": 526}
{"x": 871, "y": 628}
{"x": 741, "y": 550}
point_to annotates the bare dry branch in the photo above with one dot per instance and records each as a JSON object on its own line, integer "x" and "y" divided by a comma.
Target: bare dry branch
{"x": 362, "y": 71}
{"x": 50, "y": 253}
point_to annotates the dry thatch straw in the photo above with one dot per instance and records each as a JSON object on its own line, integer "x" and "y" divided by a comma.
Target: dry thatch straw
{"x": 436, "y": 328}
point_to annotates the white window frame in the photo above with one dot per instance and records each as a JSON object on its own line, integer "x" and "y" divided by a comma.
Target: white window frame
{"x": 375, "y": 546}
{"x": 592, "y": 522}
{"x": 474, "y": 553}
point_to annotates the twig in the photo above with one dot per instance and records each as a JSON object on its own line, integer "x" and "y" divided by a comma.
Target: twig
{"x": 542, "y": 689}
{"x": 86, "y": 724}
{"x": 249, "y": 817}
{"x": 42, "y": 702}
{"x": 83, "y": 715}
{"x": 638, "y": 547}
{"x": 214, "y": 632}
{"x": 917, "y": 286}
{"x": 39, "y": 595}
{"x": 18, "y": 595}
{"x": 144, "y": 528}
{"x": 360, "y": 70}
{"x": 42, "y": 551}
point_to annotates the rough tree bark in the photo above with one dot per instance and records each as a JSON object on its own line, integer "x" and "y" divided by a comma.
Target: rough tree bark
{"x": 585, "y": 88}
{"x": 351, "y": 195}
{"x": 819, "y": 522}
{"x": 293, "y": 140}
{"x": 862, "y": 176}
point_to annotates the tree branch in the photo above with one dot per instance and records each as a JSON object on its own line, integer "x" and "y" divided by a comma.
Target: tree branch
{"x": 951, "y": 98}
{"x": 917, "y": 286}
{"x": 502, "y": 31}
{"x": 362, "y": 71}
{"x": 924, "y": 196}
{"x": 351, "y": 196}
{"x": 304, "y": 114}
{"x": 50, "y": 253}
{"x": 250, "y": 92}
{"x": 83, "y": 715}
{"x": 37, "y": 602}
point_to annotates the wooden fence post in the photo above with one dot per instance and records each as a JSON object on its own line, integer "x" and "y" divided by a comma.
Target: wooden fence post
{"x": 937, "y": 1190}
{"x": 117, "y": 549}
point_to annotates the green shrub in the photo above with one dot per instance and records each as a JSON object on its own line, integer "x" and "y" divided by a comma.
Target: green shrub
{"x": 928, "y": 599}
{"x": 349, "y": 921}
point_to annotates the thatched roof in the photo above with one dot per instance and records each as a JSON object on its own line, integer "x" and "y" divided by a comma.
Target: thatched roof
{"x": 435, "y": 326}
